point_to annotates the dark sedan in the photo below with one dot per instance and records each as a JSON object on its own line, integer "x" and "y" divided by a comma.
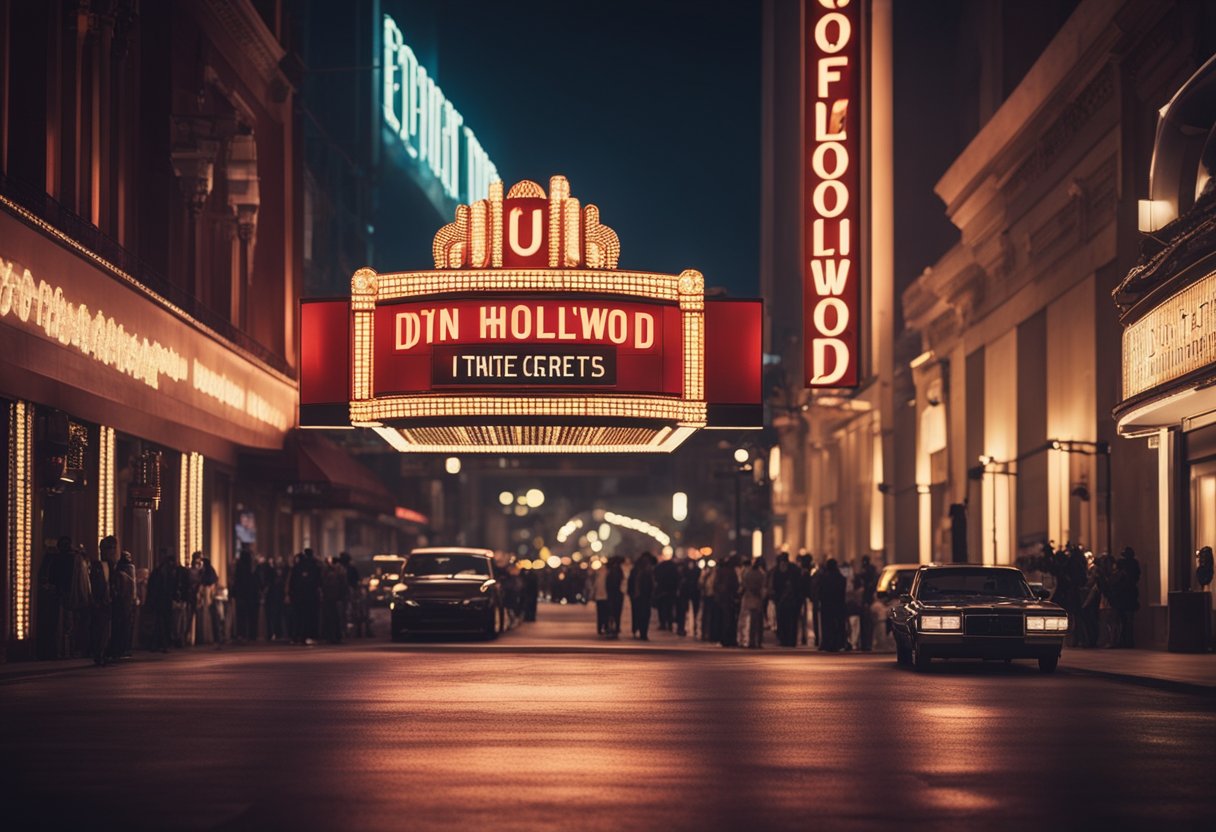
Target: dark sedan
{"x": 976, "y": 612}
{"x": 447, "y": 590}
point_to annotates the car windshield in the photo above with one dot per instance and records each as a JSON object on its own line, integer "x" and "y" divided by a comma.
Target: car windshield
{"x": 450, "y": 565}
{"x": 991, "y": 583}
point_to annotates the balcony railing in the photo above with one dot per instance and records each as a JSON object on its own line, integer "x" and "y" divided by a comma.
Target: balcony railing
{"x": 77, "y": 228}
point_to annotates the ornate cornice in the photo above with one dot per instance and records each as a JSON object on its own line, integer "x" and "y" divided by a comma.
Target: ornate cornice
{"x": 251, "y": 37}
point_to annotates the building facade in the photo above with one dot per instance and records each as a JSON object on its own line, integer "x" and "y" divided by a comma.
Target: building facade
{"x": 1019, "y": 367}
{"x": 149, "y": 245}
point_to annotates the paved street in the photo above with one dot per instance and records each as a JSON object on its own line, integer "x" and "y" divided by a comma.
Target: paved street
{"x": 548, "y": 727}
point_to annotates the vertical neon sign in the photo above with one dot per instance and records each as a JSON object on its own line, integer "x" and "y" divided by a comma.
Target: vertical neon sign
{"x": 832, "y": 185}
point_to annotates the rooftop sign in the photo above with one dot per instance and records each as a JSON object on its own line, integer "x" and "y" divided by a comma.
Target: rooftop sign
{"x": 429, "y": 126}
{"x": 527, "y": 338}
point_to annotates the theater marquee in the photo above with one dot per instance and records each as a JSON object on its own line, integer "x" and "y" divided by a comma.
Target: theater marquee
{"x": 527, "y": 338}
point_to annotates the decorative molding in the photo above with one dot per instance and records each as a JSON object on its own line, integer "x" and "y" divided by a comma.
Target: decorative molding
{"x": 252, "y": 38}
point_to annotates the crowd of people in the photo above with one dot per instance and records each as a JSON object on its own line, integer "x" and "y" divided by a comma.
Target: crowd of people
{"x": 1101, "y": 594}
{"x": 102, "y": 607}
{"x": 735, "y": 602}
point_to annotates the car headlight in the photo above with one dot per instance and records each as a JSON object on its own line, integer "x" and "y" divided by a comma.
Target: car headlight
{"x": 1046, "y": 623}
{"x": 485, "y": 586}
{"x": 941, "y": 622}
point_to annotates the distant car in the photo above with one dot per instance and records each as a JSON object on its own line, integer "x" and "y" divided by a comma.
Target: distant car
{"x": 976, "y": 612}
{"x": 448, "y": 590}
{"x": 383, "y": 573}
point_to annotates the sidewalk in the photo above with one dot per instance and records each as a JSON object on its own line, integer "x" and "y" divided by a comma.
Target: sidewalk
{"x": 1183, "y": 672}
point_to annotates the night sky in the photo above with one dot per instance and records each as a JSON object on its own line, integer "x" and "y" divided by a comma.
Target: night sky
{"x": 651, "y": 110}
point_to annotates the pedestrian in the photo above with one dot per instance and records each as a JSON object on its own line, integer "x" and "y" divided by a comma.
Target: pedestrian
{"x": 304, "y": 589}
{"x": 124, "y": 591}
{"x": 100, "y": 610}
{"x": 641, "y": 594}
{"x": 334, "y": 593}
{"x": 806, "y": 564}
{"x": 164, "y": 598}
{"x": 1127, "y": 595}
{"x": 815, "y": 582}
{"x": 710, "y": 630}
{"x": 726, "y": 598}
{"x": 666, "y": 587}
{"x": 187, "y": 614}
{"x": 865, "y": 583}
{"x": 751, "y": 619}
{"x": 788, "y": 592}
{"x": 688, "y": 597}
{"x": 599, "y": 596}
{"x": 1091, "y": 605}
{"x": 615, "y": 579}
{"x": 245, "y": 594}
{"x": 54, "y": 591}
{"x": 833, "y": 612}
{"x": 275, "y": 590}
{"x": 213, "y": 601}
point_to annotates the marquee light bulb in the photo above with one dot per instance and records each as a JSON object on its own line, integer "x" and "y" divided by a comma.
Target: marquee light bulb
{"x": 452, "y": 465}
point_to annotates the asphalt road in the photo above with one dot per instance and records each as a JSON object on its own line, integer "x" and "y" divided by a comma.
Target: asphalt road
{"x": 550, "y": 728}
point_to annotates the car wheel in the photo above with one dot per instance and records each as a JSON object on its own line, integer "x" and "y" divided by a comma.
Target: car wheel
{"x": 1047, "y": 664}
{"x": 920, "y": 659}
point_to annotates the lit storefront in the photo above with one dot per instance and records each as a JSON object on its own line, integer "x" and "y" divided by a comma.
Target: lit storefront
{"x": 123, "y": 415}
{"x": 1168, "y": 306}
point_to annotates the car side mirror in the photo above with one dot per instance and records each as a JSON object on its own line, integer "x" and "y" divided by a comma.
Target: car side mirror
{"x": 905, "y": 597}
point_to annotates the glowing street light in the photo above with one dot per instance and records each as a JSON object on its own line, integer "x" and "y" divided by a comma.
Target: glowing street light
{"x": 679, "y": 506}
{"x": 506, "y": 498}
{"x": 534, "y": 498}
{"x": 452, "y": 465}
{"x": 741, "y": 455}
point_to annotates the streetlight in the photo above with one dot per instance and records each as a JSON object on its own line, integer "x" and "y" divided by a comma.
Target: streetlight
{"x": 506, "y": 498}
{"x": 534, "y": 498}
{"x": 742, "y": 455}
{"x": 679, "y": 506}
{"x": 452, "y": 465}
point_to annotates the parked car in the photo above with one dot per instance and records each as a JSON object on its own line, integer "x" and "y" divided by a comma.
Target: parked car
{"x": 976, "y": 612}
{"x": 447, "y": 589}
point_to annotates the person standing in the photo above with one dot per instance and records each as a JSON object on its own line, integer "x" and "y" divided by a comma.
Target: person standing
{"x": 599, "y": 595}
{"x": 164, "y": 594}
{"x": 123, "y": 590}
{"x": 213, "y": 601}
{"x": 666, "y": 585}
{"x": 99, "y": 610}
{"x": 832, "y": 590}
{"x": 1127, "y": 595}
{"x": 709, "y": 604}
{"x": 726, "y": 598}
{"x": 334, "y": 592}
{"x": 304, "y": 587}
{"x": 865, "y": 582}
{"x": 688, "y": 597}
{"x": 755, "y": 586}
{"x": 245, "y": 597}
{"x": 815, "y": 582}
{"x": 616, "y": 597}
{"x": 641, "y": 594}
{"x": 54, "y": 592}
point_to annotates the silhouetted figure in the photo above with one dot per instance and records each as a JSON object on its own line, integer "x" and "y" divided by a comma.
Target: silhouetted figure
{"x": 245, "y": 596}
{"x": 726, "y": 598}
{"x": 865, "y": 582}
{"x": 1204, "y": 568}
{"x": 531, "y": 594}
{"x": 163, "y": 591}
{"x": 666, "y": 585}
{"x": 832, "y": 588}
{"x": 787, "y": 593}
{"x": 210, "y": 582}
{"x": 755, "y": 586}
{"x": 688, "y": 597}
{"x": 814, "y": 584}
{"x": 614, "y": 580}
{"x": 123, "y": 590}
{"x": 305, "y": 590}
{"x": 54, "y": 591}
{"x": 100, "y": 611}
{"x": 335, "y": 591}
{"x": 641, "y": 594}
{"x": 1127, "y": 595}
{"x": 599, "y": 595}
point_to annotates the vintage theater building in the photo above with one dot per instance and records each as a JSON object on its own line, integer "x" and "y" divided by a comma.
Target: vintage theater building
{"x": 148, "y": 285}
{"x": 1168, "y": 308}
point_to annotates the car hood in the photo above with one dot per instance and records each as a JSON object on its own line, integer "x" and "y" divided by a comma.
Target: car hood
{"x": 974, "y": 602}
{"x": 444, "y": 585}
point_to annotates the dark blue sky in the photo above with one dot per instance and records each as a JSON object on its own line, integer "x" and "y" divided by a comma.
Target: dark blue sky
{"x": 650, "y": 109}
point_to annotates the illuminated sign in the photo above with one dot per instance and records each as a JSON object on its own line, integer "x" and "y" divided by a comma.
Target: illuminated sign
{"x": 431, "y": 129}
{"x": 1175, "y": 338}
{"x": 527, "y": 338}
{"x": 831, "y": 183}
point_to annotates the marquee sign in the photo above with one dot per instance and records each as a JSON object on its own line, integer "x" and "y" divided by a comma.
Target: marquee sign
{"x": 831, "y": 188}
{"x": 527, "y": 338}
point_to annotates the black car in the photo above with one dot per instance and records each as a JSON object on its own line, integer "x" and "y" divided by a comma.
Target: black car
{"x": 447, "y": 590}
{"x": 976, "y": 612}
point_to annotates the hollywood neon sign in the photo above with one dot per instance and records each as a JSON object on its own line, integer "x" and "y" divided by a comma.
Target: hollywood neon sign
{"x": 429, "y": 126}
{"x": 832, "y": 185}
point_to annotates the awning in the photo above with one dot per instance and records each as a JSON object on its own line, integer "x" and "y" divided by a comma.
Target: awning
{"x": 323, "y": 470}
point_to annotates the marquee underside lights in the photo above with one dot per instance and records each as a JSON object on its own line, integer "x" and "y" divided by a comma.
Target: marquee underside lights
{"x": 831, "y": 190}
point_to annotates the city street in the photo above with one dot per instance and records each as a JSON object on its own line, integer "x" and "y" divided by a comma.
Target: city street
{"x": 548, "y": 726}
